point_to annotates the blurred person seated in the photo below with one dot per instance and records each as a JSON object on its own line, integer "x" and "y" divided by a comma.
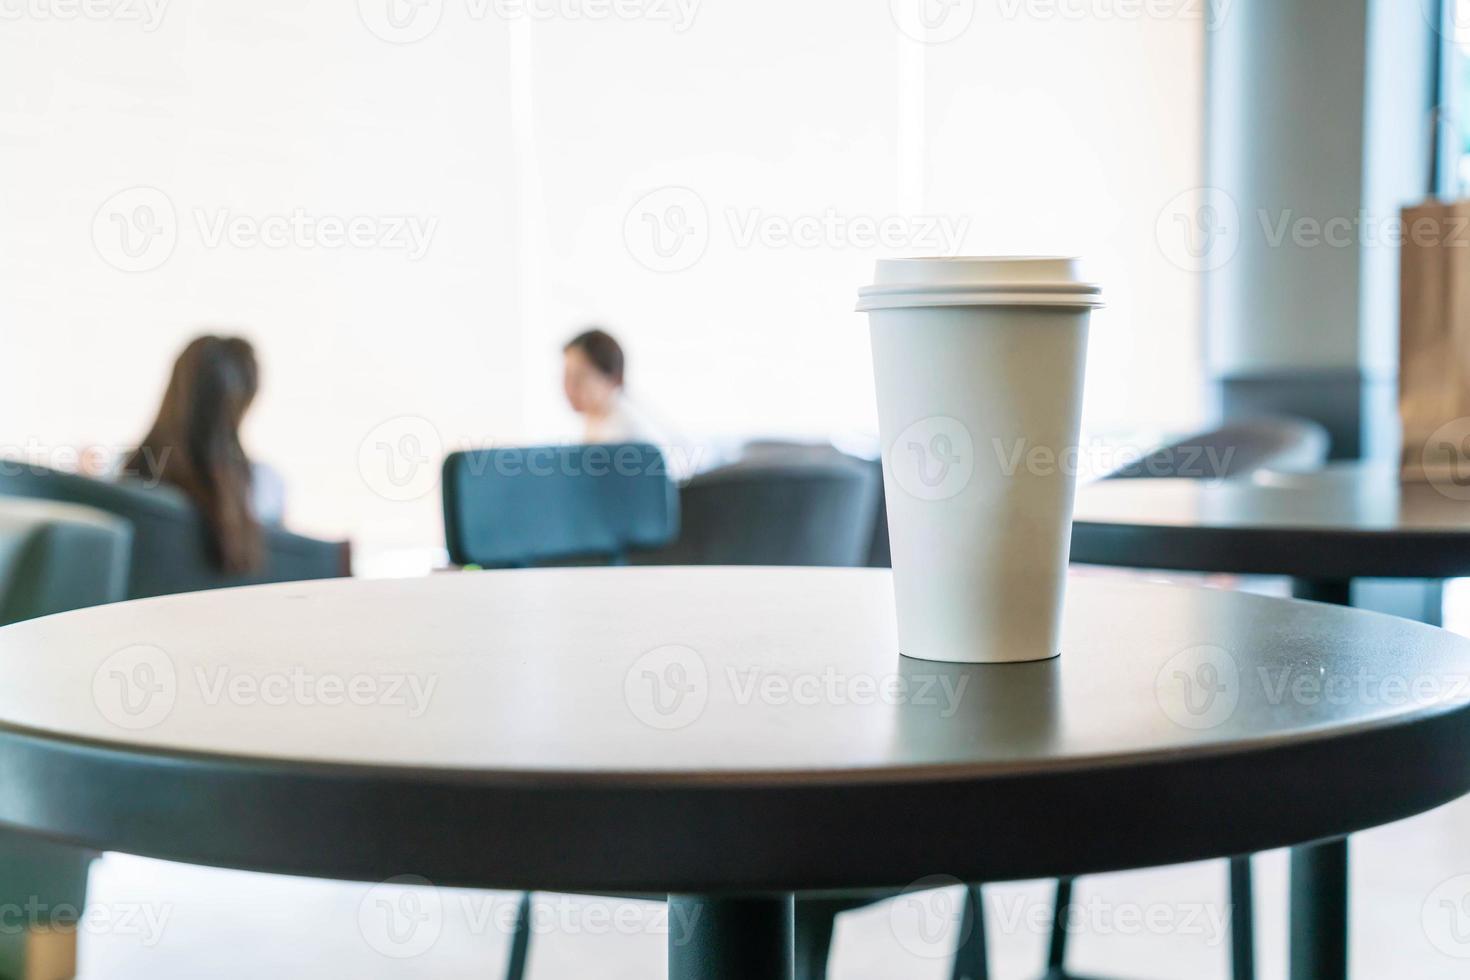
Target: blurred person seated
{"x": 593, "y": 364}
{"x": 194, "y": 445}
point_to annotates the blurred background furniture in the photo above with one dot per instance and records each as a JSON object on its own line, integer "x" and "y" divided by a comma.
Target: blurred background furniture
{"x": 53, "y": 557}
{"x": 557, "y": 505}
{"x": 779, "y": 504}
{"x": 168, "y": 552}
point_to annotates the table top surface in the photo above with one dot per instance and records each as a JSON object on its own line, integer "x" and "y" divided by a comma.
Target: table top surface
{"x": 341, "y": 714}
{"x": 1347, "y": 520}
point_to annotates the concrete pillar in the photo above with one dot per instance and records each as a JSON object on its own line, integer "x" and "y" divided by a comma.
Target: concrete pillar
{"x": 1317, "y": 115}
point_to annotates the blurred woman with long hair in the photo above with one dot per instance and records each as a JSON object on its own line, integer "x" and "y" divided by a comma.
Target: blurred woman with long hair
{"x": 194, "y": 445}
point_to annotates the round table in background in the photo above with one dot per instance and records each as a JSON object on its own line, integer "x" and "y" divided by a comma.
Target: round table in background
{"x": 729, "y": 737}
{"x": 1322, "y": 529}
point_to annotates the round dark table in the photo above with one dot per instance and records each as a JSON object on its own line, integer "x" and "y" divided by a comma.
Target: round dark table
{"x": 1323, "y": 529}
{"x": 727, "y": 736}
{"x": 1347, "y": 521}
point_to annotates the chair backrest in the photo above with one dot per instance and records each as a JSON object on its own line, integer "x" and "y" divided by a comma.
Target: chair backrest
{"x": 787, "y": 506}
{"x": 170, "y": 540}
{"x": 1235, "y": 449}
{"x": 543, "y": 505}
{"x": 55, "y": 557}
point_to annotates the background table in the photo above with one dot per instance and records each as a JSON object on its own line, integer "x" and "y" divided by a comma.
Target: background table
{"x": 1345, "y": 522}
{"x": 729, "y": 736}
{"x": 1323, "y": 529}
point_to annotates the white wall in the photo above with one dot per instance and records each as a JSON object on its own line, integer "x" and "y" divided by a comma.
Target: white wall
{"x": 533, "y": 146}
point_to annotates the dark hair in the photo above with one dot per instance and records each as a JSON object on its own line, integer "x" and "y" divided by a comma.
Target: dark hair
{"x": 194, "y": 445}
{"x": 605, "y": 353}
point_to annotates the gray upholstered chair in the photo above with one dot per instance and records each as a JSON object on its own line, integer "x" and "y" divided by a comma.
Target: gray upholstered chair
{"x": 169, "y": 552}
{"x": 788, "y": 505}
{"x": 53, "y": 557}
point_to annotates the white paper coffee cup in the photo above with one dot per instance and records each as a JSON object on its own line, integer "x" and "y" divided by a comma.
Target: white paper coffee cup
{"x": 979, "y": 366}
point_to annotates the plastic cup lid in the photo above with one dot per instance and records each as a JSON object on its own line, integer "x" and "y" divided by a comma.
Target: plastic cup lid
{"x": 978, "y": 281}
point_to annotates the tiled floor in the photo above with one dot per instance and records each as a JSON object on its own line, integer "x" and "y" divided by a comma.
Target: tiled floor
{"x": 149, "y": 919}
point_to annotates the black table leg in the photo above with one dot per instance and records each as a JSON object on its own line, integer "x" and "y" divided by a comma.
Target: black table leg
{"x": 1242, "y": 921}
{"x": 971, "y": 961}
{"x": 1056, "y": 953}
{"x": 1319, "y": 879}
{"x": 520, "y": 940}
{"x": 745, "y": 938}
{"x": 1338, "y": 592}
{"x": 1319, "y": 911}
